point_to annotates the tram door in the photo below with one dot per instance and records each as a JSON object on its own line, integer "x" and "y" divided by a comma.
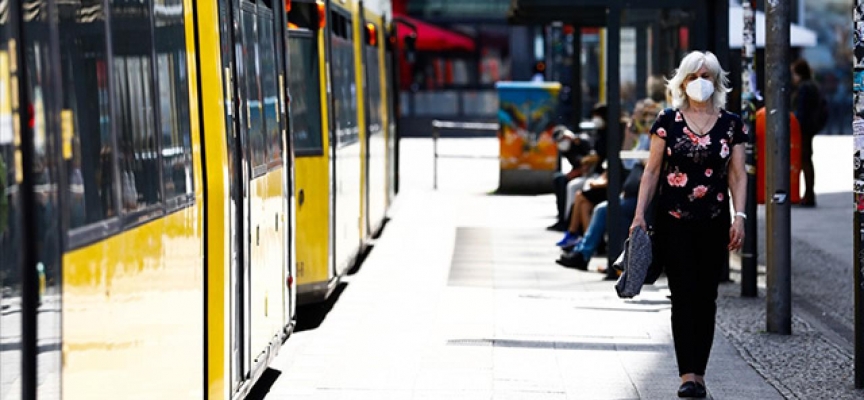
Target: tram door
{"x": 234, "y": 70}
{"x": 12, "y": 210}
{"x": 30, "y": 232}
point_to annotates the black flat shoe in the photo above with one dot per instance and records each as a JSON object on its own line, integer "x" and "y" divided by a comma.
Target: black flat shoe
{"x": 559, "y": 226}
{"x": 693, "y": 390}
{"x": 573, "y": 260}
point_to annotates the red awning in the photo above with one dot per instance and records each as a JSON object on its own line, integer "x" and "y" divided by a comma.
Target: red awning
{"x": 434, "y": 38}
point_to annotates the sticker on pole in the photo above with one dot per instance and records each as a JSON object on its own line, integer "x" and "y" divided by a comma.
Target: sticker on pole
{"x": 858, "y": 44}
{"x": 858, "y": 143}
{"x": 858, "y": 80}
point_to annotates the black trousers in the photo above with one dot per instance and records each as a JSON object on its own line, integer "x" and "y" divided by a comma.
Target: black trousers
{"x": 693, "y": 254}
{"x": 559, "y": 183}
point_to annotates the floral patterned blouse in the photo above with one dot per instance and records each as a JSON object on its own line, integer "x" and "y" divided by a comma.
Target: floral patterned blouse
{"x": 694, "y": 176}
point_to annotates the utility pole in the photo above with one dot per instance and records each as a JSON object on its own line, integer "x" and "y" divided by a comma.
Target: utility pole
{"x": 858, "y": 188}
{"x": 779, "y": 307}
{"x": 750, "y": 253}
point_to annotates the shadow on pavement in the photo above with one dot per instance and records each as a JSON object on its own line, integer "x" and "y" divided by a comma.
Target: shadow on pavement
{"x": 358, "y": 263}
{"x": 310, "y": 316}
{"x": 262, "y": 387}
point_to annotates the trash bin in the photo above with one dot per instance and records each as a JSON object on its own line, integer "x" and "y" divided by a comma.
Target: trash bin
{"x": 528, "y": 153}
{"x": 794, "y": 157}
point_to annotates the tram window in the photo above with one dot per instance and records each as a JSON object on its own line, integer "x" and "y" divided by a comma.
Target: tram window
{"x": 270, "y": 87}
{"x": 303, "y": 16}
{"x": 346, "y": 91}
{"x": 87, "y": 148}
{"x": 303, "y": 82}
{"x": 173, "y": 84}
{"x": 373, "y": 89}
{"x": 344, "y": 81}
{"x": 136, "y": 132}
{"x": 254, "y": 104}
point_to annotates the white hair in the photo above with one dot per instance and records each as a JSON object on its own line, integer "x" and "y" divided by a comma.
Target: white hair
{"x": 691, "y": 64}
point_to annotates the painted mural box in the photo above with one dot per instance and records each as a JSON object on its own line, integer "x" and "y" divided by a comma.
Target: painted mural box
{"x": 528, "y": 154}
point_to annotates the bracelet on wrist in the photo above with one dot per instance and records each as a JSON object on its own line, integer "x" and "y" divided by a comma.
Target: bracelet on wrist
{"x": 741, "y": 214}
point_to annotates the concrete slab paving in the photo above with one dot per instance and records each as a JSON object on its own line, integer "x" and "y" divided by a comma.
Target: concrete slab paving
{"x": 461, "y": 299}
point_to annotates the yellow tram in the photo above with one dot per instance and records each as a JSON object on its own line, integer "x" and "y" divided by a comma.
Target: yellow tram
{"x": 151, "y": 242}
{"x": 344, "y": 140}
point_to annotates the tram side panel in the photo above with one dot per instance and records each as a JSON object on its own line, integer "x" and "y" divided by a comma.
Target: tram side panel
{"x": 13, "y": 208}
{"x": 376, "y": 194}
{"x": 272, "y": 226}
{"x": 261, "y": 225}
{"x": 349, "y": 125}
{"x": 247, "y": 295}
{"x": 218, "y": 225}
{"x": 133, "y": 277}
{"x": 262, "y": 281}
{"x": 388, "y": 99}
{"x": 309, "y": 126}
{"x": 30, "y": 210}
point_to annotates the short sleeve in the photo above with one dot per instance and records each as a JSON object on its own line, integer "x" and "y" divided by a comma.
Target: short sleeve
{"x": 662, "y": 123}
{"x": 739, "y": 130}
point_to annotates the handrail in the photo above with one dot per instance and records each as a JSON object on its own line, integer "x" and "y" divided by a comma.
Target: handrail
{"x": 438, "y": 125}
{"x": 468, "y": 126}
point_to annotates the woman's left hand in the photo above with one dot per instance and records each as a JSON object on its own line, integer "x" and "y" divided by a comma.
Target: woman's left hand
{"x": 736, "y": 234}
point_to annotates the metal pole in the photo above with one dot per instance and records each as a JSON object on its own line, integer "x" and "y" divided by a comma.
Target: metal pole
{"x": 576, "y": 85}
{"x": 435, "y": 134}
{"x": 613, "y": 102}
{"x": 641, "y": 61}
{"x": 779, "y": 312}
{"x": 749, "y": 255}
{"x": 858, "y": 185}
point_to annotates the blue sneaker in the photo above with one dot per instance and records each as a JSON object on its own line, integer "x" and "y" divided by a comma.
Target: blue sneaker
{"x": 569, "y": 240}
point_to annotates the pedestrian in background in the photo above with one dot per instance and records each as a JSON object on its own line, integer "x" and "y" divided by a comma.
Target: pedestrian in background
{"x": 695, "y": 159}
{"x": 810, "y": 110}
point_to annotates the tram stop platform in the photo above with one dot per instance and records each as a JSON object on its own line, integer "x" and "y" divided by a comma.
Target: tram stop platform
{"x": 461, "y": 298}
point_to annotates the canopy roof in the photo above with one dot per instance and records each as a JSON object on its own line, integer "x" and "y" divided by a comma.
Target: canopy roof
{"x": 435, "y": 38}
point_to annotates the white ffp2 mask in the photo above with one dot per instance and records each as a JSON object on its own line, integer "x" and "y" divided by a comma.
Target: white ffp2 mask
{"x": 564, "y": 145}
{"x": 700, "y": 89}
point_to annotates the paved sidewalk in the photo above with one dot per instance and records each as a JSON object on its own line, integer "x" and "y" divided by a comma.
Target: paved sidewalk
{"x": 461, "y": 299}
{"x": 816, "y": 361}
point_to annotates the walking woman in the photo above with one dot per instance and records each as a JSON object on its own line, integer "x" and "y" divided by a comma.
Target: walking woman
{"x": 696, "y": 158}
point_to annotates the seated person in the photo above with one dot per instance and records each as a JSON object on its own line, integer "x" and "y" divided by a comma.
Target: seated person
{"x": 565, "y": 189}
{"x": 593, "y": 192}
{"x": 594, "y": 225}
{"x": 636, "y": 137}
{"x": 573, "y": 147}
{"x": 583, "y": 250}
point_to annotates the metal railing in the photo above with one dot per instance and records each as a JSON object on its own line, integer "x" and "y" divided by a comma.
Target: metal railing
{"x": 438, "y": 126}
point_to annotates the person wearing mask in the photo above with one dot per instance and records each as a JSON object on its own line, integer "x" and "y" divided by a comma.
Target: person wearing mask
{"x": 637, "y": 137}
{"x": 574, "y": 185}
{"x": 696, "y": 158}
{"x": 572, "y": 147}
{"x": 598, "y": 118}
{"x": 585, "y": 248}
